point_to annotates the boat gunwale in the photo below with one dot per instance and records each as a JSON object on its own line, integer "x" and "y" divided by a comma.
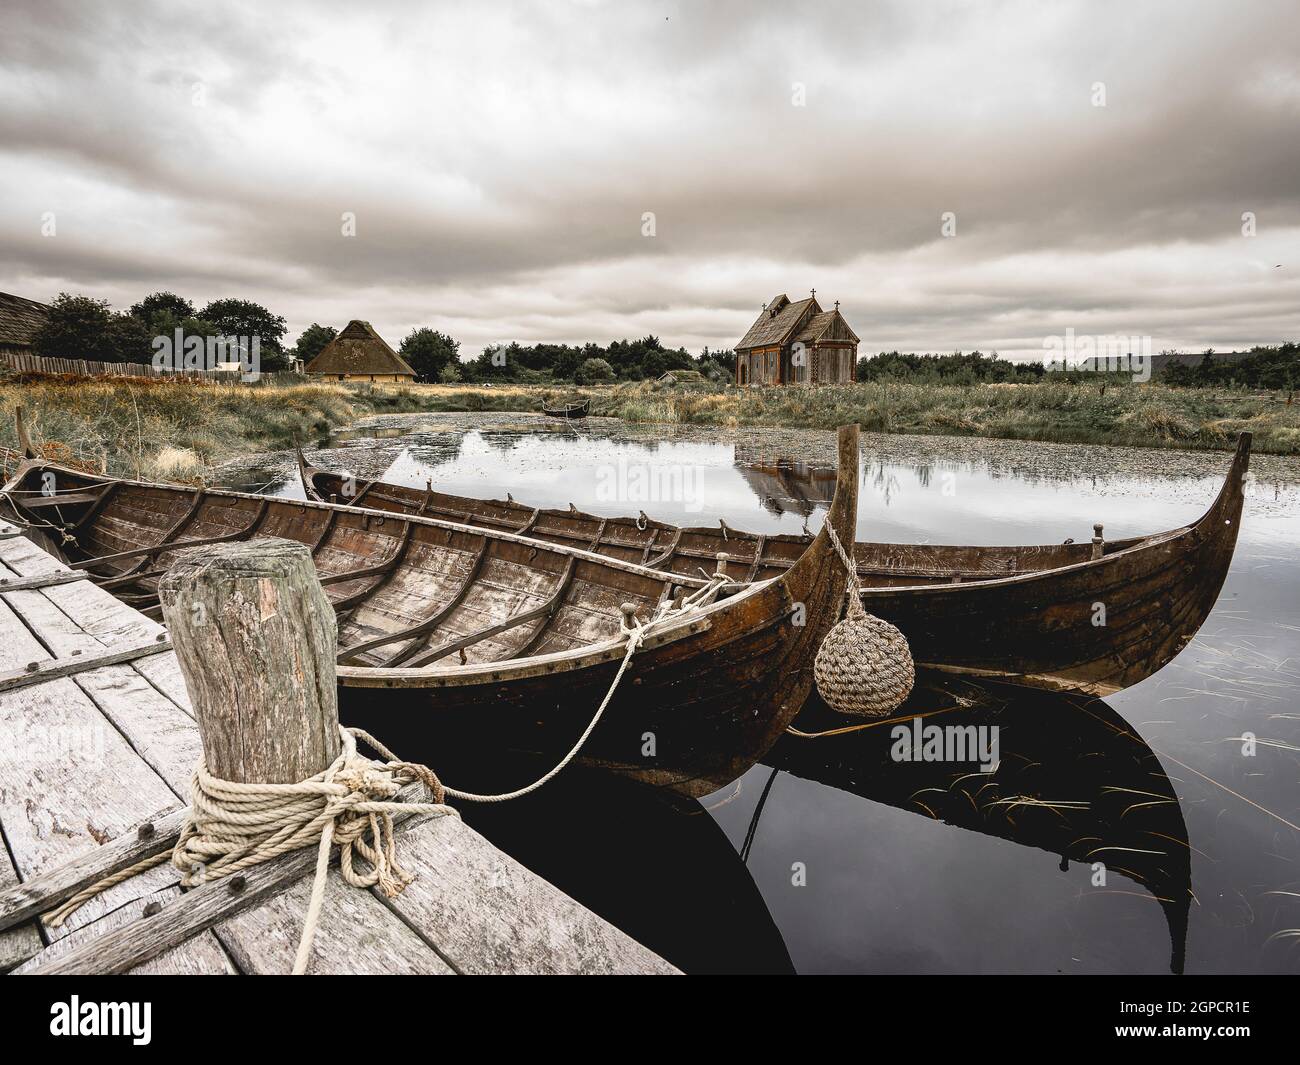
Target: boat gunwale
{"x": 383, "y": 515}
{"x": 1135, "y": 544}
{"x": 503, "y": 669}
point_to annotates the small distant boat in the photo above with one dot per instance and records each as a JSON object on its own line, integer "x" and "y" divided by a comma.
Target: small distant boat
{"x": 488, "y": 638}
{"x": 1019, "y": 615}
{"x": 577, "y": 409}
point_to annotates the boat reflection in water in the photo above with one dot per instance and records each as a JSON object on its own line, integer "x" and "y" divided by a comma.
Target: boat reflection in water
{"x": 650, "y": 862}
{"x": 1073, "y": 778}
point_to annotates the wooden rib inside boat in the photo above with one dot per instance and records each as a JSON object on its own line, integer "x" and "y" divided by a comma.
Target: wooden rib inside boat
{"x": 509, "y": 640}
{"x": 1020, "y": 615}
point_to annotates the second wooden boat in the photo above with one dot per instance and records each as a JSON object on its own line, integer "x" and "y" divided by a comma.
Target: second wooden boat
{"x": 1018, "y": 615}
{"x": 487, "y": 637}
{"x": 579, "y": 409}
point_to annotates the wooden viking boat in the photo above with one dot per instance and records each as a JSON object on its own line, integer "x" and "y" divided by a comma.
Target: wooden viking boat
{"x": 578, "y": 409}
{"x": 1019, "y": 615}
{"x": 509, "y": 641}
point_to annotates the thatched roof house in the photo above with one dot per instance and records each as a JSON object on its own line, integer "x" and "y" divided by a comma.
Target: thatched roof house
{"x": 797, "y": 344}
{"x": 360, "y": 354}
{"x": 19, "y": 321}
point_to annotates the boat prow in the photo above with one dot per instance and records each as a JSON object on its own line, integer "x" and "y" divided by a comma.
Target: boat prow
{"x": 1093, "y": 627}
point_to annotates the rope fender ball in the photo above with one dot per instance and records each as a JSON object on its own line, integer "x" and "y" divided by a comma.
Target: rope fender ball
{"x": 864, "y": 665}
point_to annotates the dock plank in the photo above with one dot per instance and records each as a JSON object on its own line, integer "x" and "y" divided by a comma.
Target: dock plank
{"x": 490, "y": 914}
{"x": 19, "y": 646}
{"x": 20, "y": 941}
{"x": 354, "y": 936}
{"x": 200, "y": 956}
{"x": 69, "y": 782}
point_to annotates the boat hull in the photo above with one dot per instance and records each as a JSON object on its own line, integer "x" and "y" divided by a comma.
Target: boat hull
{"x": 1047, "y": 617}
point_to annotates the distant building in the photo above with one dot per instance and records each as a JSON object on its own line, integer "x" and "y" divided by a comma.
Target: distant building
{"x": 20, "y": 319}
{"x": 682, "y": 377}
{"x": 360, "y": 354}
{"x": 797, "y": 344}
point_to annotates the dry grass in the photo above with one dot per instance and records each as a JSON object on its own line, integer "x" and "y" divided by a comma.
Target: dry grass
{"x": 1148, "y": 415}
{"x": 170, "y": 430}
{"x": 178, "y": 430}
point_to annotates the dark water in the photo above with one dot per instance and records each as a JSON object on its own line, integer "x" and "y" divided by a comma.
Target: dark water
{"x": 834, "y": 858}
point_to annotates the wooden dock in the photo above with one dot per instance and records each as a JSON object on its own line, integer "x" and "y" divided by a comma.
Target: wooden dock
{"x": 98, "y": 738}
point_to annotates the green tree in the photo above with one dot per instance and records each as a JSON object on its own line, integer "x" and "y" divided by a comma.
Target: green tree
{"x": 177, "y": 308}
{"x": 450, "y": 373}
{"x": 593, "y": 370}
{"x": 77, "y": 328}
{"x": 428, "y": 352}
{"x": 313, "y": 341}
{"x": 130, "y": 339}
{"x": 245, "y": 318}
{"x": 165, "y": 323}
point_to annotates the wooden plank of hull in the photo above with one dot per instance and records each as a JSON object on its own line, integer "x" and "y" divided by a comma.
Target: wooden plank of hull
{"x": 684, "y": 682}
{"x": 1157, "y": 590}
{"x": 683, "y": 718}
{"x": 685, "y": 550}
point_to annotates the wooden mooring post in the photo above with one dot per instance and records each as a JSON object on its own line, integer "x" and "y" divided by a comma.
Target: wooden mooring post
{"x": 256, "y": 639}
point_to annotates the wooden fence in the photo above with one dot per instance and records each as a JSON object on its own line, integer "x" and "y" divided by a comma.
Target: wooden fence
{"x": 28, "y": 363}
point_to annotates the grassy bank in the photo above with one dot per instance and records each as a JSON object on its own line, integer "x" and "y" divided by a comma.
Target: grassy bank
{"x": 1131, "y": 414}
{"x": 175, "y": 431}
{"x": 178, "y": 430}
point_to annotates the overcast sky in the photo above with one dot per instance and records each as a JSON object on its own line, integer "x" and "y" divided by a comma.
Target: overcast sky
{"x": 499, "y": 160}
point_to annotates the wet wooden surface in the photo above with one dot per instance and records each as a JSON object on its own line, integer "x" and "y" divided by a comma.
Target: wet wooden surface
{"x": 89, "y": 754}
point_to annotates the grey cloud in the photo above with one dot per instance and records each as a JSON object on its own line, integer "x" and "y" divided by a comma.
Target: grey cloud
{"x": 499, "y": 162}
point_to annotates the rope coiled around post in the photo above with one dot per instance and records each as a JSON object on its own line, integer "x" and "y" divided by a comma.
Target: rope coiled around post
{"x": 233, "y": 826}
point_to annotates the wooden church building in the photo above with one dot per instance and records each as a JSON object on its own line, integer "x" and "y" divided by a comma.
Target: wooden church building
{"x": 797, "y": 344}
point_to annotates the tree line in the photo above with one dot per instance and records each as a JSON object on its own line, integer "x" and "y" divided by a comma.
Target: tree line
{"x": 1275, "y": 367}
{"x": 590, "y": 363}
{"x": 955, "y": 368}
{"x": 81, "y": 327}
